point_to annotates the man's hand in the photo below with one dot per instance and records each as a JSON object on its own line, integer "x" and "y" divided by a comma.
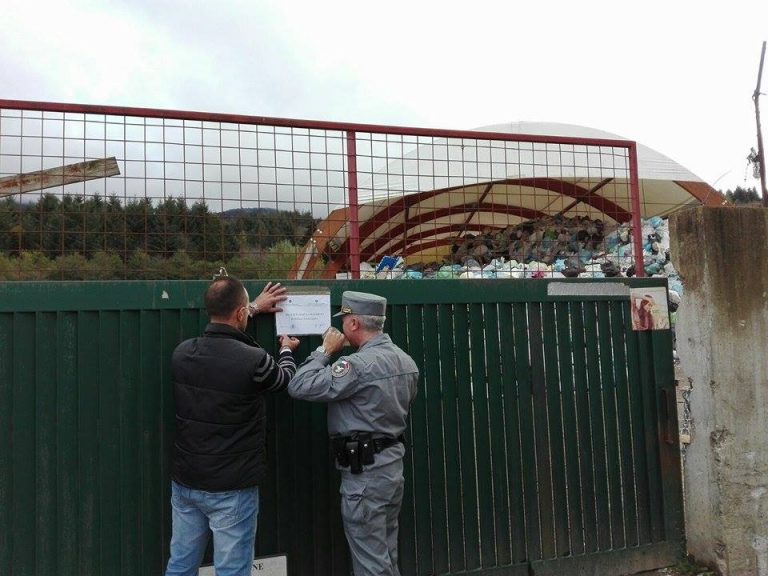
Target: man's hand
{"x": 269, "y": 299}
{"x": 333, "y": 341}
{"x": 289, "y": 342}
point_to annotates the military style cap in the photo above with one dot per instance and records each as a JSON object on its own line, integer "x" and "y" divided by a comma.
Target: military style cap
{"x": 362, "y": 303}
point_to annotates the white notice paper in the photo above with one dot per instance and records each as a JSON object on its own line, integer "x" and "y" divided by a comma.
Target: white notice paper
{"x": 304, "y": 312}
{"x": 264, "y": 566}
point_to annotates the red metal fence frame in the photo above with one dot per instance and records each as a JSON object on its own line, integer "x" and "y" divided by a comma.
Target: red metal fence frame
{"x": 351, "y": 129}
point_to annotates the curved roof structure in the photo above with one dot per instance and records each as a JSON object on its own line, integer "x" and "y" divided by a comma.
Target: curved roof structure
{"x": 417, "y": 205}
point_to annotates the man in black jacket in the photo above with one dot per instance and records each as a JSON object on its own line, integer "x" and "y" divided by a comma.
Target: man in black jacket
{"x": 220, "y": 380}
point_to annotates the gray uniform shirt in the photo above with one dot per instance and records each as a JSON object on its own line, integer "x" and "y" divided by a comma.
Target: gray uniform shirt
{"x": 368, "y": 391}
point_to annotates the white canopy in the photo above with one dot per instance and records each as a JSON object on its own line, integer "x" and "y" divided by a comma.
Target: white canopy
{"x": 416, "y": 206}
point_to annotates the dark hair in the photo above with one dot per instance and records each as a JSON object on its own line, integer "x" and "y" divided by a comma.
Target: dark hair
{"x": 224, "y": 296}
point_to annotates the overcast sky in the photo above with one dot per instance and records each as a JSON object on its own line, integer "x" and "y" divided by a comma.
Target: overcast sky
{"x": 677, "y": 76}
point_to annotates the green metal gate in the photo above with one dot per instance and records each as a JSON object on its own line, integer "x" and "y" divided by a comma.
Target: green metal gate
{"x": 543, "y": 439}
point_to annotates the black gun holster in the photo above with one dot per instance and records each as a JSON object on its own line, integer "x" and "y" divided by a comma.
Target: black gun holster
{"x": 354, "y": 451}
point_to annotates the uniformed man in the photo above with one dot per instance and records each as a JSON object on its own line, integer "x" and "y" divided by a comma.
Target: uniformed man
{"x": 368, "y": 394}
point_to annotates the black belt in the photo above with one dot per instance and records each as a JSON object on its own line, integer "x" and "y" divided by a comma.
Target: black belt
{"x": 379, "y": 444}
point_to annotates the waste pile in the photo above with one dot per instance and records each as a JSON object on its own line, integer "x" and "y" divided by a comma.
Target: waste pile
{"x": 551, "y": 247}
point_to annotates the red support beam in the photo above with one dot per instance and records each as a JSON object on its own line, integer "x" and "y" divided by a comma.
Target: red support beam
{"x": 354, "y": 214}
{"x": 637, "y": 225}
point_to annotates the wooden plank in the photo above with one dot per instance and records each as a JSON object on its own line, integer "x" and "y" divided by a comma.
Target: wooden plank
{"x": 467, "y": 439}
{"x": 554, "y": 393}
{"x": 605, "y": 323}
{"x": 624, "y": 422}
{"x": 570, "y": 429}
{"x": 58, "y": 176}
{"x": 527, "y": 436}
{"x": 512, "y": 435}
{"x": 454, "y": 501}
{"x": 493, "y": 361}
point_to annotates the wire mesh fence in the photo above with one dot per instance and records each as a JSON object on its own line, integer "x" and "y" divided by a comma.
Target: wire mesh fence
{"x": 99, "y": 193}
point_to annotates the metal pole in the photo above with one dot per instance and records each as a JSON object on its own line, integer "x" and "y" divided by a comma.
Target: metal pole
{"x": 354, "y": 217}
{"x": 637, "y": 225}
{"x": 760, "y": 149}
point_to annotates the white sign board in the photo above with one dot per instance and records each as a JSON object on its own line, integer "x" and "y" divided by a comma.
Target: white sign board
{"x": 306, "y": 311}
{"x": 264, "y": 566}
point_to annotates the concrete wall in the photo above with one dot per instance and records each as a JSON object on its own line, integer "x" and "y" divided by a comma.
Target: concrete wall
{"x": 722, "y": 341}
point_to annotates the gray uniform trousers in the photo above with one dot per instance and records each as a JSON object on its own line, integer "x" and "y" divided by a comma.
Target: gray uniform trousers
{"x": 370, "y": 506}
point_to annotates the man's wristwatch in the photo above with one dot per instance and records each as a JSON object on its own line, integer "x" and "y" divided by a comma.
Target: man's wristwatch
{"x": 253, "y": 309}
{"x": 322, "y": 351}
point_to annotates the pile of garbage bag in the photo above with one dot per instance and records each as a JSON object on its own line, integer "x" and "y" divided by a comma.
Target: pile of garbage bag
{"x": 552, "y": 247}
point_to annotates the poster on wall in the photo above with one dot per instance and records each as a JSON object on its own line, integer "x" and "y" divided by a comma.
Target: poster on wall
{"x": 649, "y": 308}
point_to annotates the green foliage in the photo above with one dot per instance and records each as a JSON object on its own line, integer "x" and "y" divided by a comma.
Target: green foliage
{"x": 742, "y": 196}
{"x": 74, "y": 238}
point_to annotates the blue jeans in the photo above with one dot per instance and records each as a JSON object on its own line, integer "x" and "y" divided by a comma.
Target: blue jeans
{"x": 231, "y": 516}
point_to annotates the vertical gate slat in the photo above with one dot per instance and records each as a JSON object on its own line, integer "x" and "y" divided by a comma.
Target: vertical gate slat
{"x": 420, "y": 445}
{"x": 23, "y": 442}
{"x": 88, "y": 350}
{"x": 483, "y": 460}
{"x": 467, "y": 440}
{"x": 451, "y": 431}
{"x": 638, "y": 434}
{"x": 67, "y": 520}
{"x": 597, "y": 425}
{"x": 672, "y": 497}
{"x": 652, "y": 436}
{"x": 152, "y": 493}
{"x": 581, "y": 390}
{"x": 6, "y": 444}
{"x": 171, "y": 334}
{"x": 109, "y": 441}
{"x": 433, "y": 387}
{"x": 612, "y": 439}
{"x": 527, "y": 437}
{"x": 398, "y": 330}
{"x": 554, "y": 392}
{"x": 45, "y": 489}
{"x": 570, "y": 430}
{"x": 624, "y": 420}
{"x": 268, "y": 535}
{"x": 130, "y": 436}
{"x": 296, "y": 495}
{"x": 493, "y": 360}
{"x": 512, "y": 434}
{"x": 541, "y": 430}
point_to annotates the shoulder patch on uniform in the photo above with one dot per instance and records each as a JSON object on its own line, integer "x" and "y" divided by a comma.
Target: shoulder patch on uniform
{"x": 341, "y": 368}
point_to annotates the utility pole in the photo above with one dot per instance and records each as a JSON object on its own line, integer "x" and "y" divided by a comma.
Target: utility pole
{"x": 760, "y": 150}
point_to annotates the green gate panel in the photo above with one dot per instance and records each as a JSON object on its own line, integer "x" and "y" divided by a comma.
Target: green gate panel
{"x": 542, "y": 439}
